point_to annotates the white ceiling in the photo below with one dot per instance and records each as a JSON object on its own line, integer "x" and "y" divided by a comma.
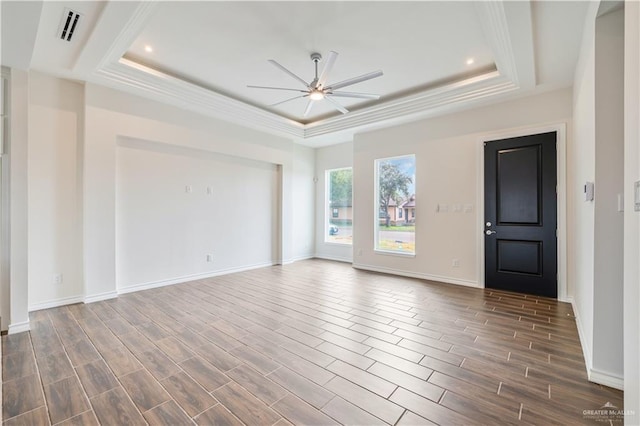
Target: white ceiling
{"x": 206, "y": 53}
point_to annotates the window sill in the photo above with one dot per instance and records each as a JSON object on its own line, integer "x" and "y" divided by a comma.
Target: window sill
{"x": 335, "y": 243}
{"x": 393, "y": 253}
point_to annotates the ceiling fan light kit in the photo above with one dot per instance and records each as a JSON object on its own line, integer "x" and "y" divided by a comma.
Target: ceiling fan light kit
{"x": 318, "y": 90}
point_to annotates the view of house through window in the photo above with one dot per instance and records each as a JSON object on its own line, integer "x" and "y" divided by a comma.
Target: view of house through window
{"x": 396, "y": 204}
{"x": 339, "y": 209}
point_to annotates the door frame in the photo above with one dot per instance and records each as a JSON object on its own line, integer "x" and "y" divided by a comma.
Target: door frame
{"x": 561, "y": 178}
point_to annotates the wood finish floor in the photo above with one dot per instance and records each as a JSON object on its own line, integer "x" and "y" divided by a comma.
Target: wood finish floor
{"x": 315, "y": 342}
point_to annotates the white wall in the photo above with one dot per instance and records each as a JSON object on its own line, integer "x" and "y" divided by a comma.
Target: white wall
{"x": 328, "y": 158}
{"x": 63, "y": 156}
{"x": 631, "y": 217}
{"x": 164, "y": 233}
{"x": 448, "y": 155}
{"x": 582, "y": 158}
{"x": 303, "y": 214}
{"x": 597, "y": 232}
{"x": 609, "y": 176}
{"x": 111, "y": 116}
{"x": 55, "y": 124}
{"x": 18, "y": 209}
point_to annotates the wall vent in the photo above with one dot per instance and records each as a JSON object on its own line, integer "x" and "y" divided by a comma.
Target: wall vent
{"x": 69, "y": 24}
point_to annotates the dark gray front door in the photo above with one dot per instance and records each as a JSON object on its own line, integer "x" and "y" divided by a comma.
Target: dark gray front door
{"x": 521, "y": 214}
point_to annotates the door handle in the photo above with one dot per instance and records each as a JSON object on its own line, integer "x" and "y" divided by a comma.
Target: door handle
{"x": 489, "y": 232}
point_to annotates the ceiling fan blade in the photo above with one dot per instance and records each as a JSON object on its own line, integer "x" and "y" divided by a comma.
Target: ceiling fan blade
{"x": 287, "y": 100}
{"x": 355, "y": 80}
{"x": 337, "y": 105}
{"x": 289, "y": 72}
{"x": 308, "y": 109}
{"x": 327, "y": 68}
{"x": 354, "y": 95}
{"x": 275, "y": 88}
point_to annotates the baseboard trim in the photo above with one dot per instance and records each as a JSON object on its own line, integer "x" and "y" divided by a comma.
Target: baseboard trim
{"x": 19, "y": 327}
{"x": 429, "y": 277}
{"x": 593, "y": 374}
{"x": 606, "y": 379}
{"x": 335, "y": 258}
{"x": 299, "y": 258}
{"x": 192, "y": 277}
{"x": 100, "y": 296}
{"x": 56, "y": 302}
{"x": 586, "y": 351}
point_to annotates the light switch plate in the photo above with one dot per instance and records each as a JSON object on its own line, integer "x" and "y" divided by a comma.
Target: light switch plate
{"x": 636, "y": 196}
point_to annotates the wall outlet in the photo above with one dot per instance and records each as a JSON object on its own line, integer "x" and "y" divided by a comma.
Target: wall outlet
{"x": 455, "y": 263}
{"x": 57, "y": 279}
{"x": 359, "y": 252}
{"x": 188, "y": 189}
{"x": 209, "y": 190}
{"x": 209, "y": 258}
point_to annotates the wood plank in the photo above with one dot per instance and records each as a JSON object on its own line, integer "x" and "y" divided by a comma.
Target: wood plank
{"x": 407, "y": 381}
{"x": 348, "y": 414}
{"x": 208, "y": 376}
{"x": 121, "y": 361}
{"x": 144, "y": 390}
{"x": 167, "y": 413}
{"x": 115, "y": 408}
{"x": 158, "y": 364}
{"x": 260, "y": 362}
{"x": 412, "y": 419}
{"x": 345, "y": 355}
{"x": 245, "y": 406}
{"x": 39, "y": 416}
{"x": 192, "y": 397}
{"x": 54, "y": 367}
{"x": 88, "y": 418}
{"x": 218, "y": 357}
{"x": 17, "y": 365}
{"x": 380, "y": 407}
{"x": 218, "y": 415}
{"x": 82, "y": 352}
{"x": 428, "y": 409}
{"x": 14, "y": 343}
{"x": 21, "y": 395}
{"x": 400, "y": 364}
{"x": 65, "y": 399}
{"x": 360, "y": 377}
{"x": 96, "y": 378}
{"x": 299, "y": 412}
{"x": 261, "y": 387}
{"x": 174, "y": 349}
{"x": 496, "y": 353}
{"x": 305, "y": 389}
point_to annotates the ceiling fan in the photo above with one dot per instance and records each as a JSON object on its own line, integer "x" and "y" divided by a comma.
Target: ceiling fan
{"x": 318, "y": 89}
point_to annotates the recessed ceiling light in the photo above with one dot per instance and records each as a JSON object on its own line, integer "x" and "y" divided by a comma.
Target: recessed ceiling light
{"x": 148, "y": 49}
{"x": 470, "y": 61}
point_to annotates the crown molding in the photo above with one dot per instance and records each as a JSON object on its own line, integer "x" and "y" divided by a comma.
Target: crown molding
{"x": 154, "y": 84}
{"x": 515, "y": 70}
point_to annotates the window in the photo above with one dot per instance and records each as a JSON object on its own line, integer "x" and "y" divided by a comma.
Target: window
{"x": 395, "y": 189}
{"x": 339, "y": 222}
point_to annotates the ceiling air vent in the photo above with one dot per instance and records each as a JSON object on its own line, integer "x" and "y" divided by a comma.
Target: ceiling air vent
{"x": 69, "y": 24}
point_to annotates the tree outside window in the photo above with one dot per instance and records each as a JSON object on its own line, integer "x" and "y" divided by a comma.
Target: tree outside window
{"x": 395, "y": 187}
{"x": 339, "y": 222}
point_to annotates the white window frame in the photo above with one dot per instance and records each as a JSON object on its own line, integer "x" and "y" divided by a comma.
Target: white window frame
{"x": 327, "y": 208}
{"x": 377, "y": 210}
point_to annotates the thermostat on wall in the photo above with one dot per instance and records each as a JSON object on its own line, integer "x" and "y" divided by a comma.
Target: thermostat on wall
{"x": 588, "y": 191}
